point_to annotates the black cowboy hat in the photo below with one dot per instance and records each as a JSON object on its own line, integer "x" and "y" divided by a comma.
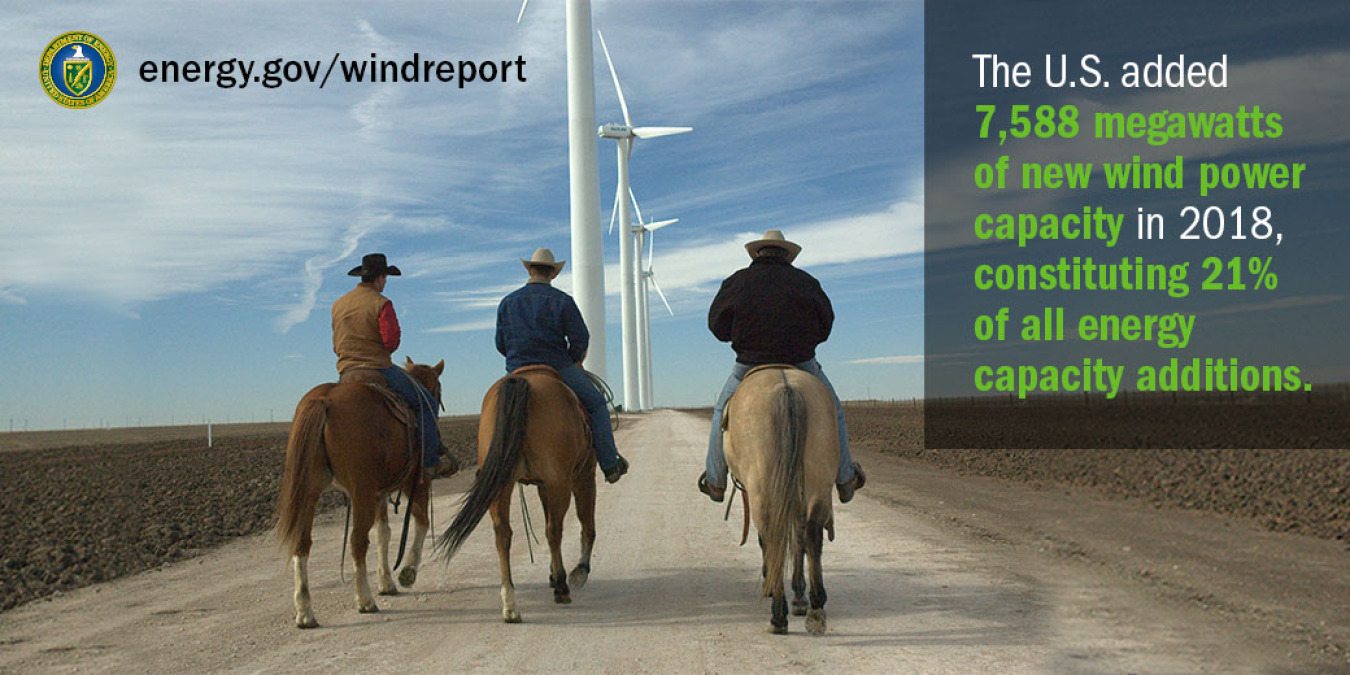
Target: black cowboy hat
{"x": 374, "y": 264}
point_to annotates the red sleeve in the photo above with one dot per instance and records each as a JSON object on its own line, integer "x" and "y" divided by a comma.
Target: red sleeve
{"x": 389, "y": 331}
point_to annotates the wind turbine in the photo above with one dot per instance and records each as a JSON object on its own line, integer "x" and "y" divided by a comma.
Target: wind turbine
{"x": 646, "y": 234}
{"x": 588, "y": 265}
{"x": 624, "y": 134}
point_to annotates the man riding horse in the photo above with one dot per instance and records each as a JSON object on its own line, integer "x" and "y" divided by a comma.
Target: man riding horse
{"x": 772, "y": 312}
{"x": 539, "y": 324}
{"x": 365, "y": 335}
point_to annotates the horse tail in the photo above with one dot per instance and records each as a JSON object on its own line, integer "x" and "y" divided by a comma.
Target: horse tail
{"x": 497, "y": 473}
{"x": 304, "y": 446}
{"x": 786, "y": 490}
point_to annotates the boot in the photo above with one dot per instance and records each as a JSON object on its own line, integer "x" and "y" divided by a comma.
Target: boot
{"x": 714, "y": 493}
{"x": 847, "y": 489}
{"x": 617, "y": 471}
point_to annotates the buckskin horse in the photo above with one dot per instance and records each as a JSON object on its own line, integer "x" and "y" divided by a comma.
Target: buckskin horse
{"x": 532, "y": 430}
{"x": 782, "y": 445}
{"x": 345, "y": 432}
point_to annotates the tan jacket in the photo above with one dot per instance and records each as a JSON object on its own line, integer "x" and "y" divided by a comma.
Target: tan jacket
{"x": 356, "y": 329}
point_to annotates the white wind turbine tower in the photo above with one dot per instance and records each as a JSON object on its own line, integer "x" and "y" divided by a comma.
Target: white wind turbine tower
{"x": 624, "y": 134}
{"x": 588, "y": 265}
{"x": 646, "y": 234}
{"x": 643, "y": 234}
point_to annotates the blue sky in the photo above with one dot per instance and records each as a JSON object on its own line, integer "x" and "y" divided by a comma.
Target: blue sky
{"x": 171, "y": 253}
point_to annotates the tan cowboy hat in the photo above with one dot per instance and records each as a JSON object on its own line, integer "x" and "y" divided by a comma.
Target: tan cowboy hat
{"x": 543, "y": 256}
{"x": 774, "y": 238}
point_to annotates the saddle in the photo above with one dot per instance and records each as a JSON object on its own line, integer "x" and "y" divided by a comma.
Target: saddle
{"x": 576, "y": 402}
{"x": 756, "y": 369}
{"x": 394, "y": 403}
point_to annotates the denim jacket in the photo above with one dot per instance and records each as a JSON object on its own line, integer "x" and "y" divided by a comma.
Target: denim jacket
{"x": 539, "y": 324}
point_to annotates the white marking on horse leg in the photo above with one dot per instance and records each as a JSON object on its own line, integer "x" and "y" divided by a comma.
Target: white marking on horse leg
{"x": 365, "y": 603}
{"x": 509, "y": 612}
{"x": 409, "y": 574}
{"x": 304, "y": 611}
{"x": 384, "y": 578}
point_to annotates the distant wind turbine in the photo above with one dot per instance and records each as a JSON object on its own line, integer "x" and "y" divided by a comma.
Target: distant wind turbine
{"x": 623, "y": 134}
{"x": 646, "y": 235}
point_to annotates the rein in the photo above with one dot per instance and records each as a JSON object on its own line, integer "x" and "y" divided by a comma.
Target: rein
{"x": 745, "y": 508}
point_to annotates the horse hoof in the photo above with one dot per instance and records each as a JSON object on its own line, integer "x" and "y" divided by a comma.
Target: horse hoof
{"x": 815, "y": 622}
{"x": 778, "y": 630}
{"x": 303, "y": 622}
{"x": 407, "y": 577}
{"x": 371, "y": 608}
{"x": 799, "y": 607}
{"x": 392, "y": 590}
{"x": 578, "y": 577}
{"x": 511, "y": 616}
{"x": 562, "y": 599}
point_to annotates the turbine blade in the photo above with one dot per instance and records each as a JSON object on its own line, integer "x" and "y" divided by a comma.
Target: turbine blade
{"x": 523, "y": 5}
{"x": 618, "y": 89}
{"x": 651, "y": 249}
{"x": 614, "y": 211}
{"x": 660, "y": 224}
{"x": 663, "y": 295}
{"x": 636, "y": 208}
{"x": 653, "y": 132}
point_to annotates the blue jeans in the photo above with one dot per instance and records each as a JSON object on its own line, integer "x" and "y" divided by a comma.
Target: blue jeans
{"x": 594, "y": 402}
{"x": 716, "y": 464}
{"x": 421, "y": 400}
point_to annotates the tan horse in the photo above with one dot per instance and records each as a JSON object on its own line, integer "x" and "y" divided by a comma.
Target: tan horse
{"x": 344, "y": 433}
{"x": 532, "y": 430}
{"x": 781, "y": 443}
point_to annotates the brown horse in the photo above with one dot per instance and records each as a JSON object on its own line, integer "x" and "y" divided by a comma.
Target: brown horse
{"x": 533, "y": 430}
{"x": 344, "y": 432}
{"x": 781, "y": 443}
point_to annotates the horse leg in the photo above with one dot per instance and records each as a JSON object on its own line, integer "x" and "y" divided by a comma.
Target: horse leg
{"x": 420, "y": 524}
{"x": 799, "y": 572}
{"x": 584, "y": 491}
{"x": 815, "y": 618}
{"x": 364, "y": 506}
{"x": 779, "y": 621}
{"x": 304, "y": 609}
{"x": 501, "y": 526}
{"x": 555, "y": 502}
{"x": 384, "y": 579}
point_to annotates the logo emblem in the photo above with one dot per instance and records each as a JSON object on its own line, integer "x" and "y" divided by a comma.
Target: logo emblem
{"x": 77, "y": 70}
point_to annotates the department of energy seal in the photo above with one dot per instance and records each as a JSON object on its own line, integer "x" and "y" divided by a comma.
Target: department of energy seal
{"x": 77, "y": 70}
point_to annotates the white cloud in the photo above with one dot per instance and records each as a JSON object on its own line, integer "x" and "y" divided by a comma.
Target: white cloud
{"x": 905, "y": 358}
{"x": 1281, "y": 303}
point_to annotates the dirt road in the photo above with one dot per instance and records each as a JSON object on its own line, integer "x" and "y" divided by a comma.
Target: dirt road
{"x": 929, "y": 574}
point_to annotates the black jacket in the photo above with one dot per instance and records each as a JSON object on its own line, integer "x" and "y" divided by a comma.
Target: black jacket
{"x": 771, "y": 312}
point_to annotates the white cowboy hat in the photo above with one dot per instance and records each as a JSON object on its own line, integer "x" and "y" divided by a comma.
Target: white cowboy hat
{"x": 774, "y": 238}
{"x": 543, "y": 256}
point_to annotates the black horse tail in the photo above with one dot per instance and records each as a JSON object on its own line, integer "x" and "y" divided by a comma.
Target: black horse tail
{"x": 496, "y": 474}
{"x": 786, "y": 492}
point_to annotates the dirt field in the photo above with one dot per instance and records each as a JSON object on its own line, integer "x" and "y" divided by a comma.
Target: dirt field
{"x": 75, "y": 515}
{"x": 1303, "y": 491}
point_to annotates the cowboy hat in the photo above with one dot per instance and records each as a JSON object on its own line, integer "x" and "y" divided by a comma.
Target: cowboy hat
{"x": 543, "y": 256}
{"x": 774, "y": 238}
{"x": 374, "y": 264}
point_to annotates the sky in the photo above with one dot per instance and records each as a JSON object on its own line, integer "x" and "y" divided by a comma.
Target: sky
{"x": 171, "y": 254}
